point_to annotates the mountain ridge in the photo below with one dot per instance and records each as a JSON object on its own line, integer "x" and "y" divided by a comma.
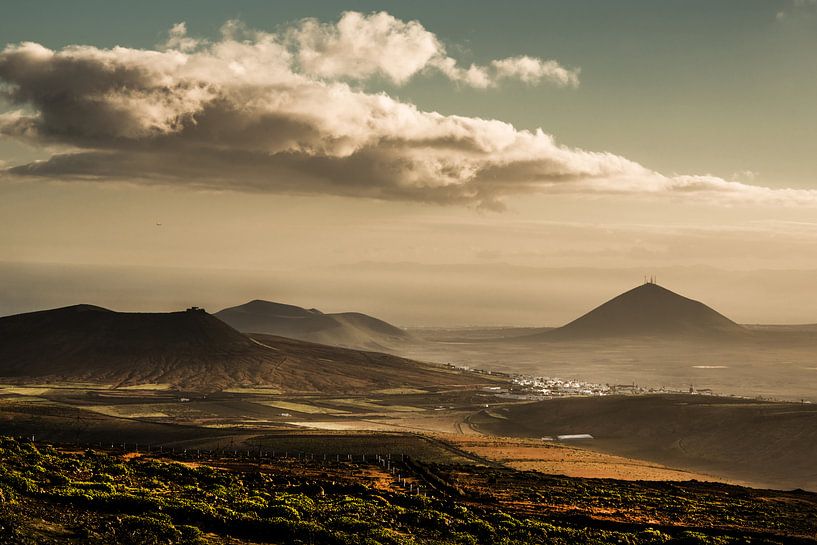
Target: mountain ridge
{"x": 192, "y": 350}
{"x": 345, "y": 329}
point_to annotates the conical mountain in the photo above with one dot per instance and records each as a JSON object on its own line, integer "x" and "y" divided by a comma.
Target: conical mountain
{"x": 347, "y": 329}
{"x": 648, "y": 310}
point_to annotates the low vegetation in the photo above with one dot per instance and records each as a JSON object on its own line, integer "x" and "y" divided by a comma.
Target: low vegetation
{"x": 51, "y": 495}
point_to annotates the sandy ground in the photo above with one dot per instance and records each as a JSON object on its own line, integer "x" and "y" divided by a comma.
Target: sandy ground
{"x": 564, "y": 459}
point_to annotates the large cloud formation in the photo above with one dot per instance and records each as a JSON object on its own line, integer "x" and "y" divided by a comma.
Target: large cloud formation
{"x": 287, "y": 112}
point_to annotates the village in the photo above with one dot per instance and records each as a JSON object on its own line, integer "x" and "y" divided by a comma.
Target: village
{"x": 536, "y": 388}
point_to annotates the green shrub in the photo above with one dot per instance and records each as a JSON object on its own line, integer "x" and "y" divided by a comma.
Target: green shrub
{"x": 651, "y": 536}
{"x": 282, "y": 511}
{"x": 146, "y": 530}
{"x": 697, "y": 538}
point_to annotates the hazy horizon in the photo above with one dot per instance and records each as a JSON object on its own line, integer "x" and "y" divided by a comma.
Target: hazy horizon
{"x": 408, "y": 295}
{"x": 414, "y": 163}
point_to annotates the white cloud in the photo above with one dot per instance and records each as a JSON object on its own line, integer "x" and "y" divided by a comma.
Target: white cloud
{"x": 526, "y": 69}
{"x": 532, "y": 70}
{"x": 178, "y": 39}
{"x": 360, "y": 46}
{"x": 248, "y": 113}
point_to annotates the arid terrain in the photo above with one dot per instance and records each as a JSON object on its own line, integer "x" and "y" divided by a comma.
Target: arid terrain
{"x": 766, "y": 443}
{"x": 192, "y": 350}
{"x": 649, "y": 437}
{"x": 346, "y": 329}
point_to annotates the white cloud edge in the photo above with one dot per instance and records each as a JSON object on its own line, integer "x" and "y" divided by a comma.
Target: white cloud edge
{"x": 359, "y": 46}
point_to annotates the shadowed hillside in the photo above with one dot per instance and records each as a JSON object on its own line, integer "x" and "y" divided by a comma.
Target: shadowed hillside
{"x": 348, "y": 329}
{"x": 648, "y": 310}
{"x": 769, "y": 444}
{"x": 191, "y": 350}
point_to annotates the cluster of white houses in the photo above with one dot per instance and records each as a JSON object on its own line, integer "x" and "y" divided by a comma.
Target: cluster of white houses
{"x": 536, "y": 388}
{"x": 556, "y": 387}
{"x": 526, "y": 387}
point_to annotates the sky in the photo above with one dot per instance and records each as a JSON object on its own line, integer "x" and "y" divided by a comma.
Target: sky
{"x": 432, "y": 163}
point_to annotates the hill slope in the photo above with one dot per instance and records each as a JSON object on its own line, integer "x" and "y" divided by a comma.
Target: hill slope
{"x": 62, "y": 496}
{"x": 648, "y": 310}
{"x": 766, "y": 443}
{"x": 348, "y": 329}
{"x": 191, "y": 350}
